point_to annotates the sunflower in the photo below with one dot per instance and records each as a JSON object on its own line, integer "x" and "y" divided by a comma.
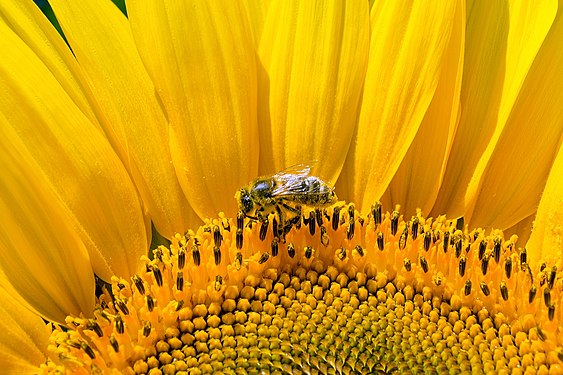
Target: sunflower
{"x": 439, "y": 124}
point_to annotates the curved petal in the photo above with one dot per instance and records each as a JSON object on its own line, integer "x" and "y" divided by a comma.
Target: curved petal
{"x": 132, "y": 119}
{"x": 24, "y": 337}
{"x": 523, "y": 229}
{"x": 201, "y": 57}
{"x": 408, "y": 42}
{"x": 314, "y": 55}
{"x": 510, "y": 176}
{"x": 418, "y": 179}
{"x": 26, "y": 20}
{"x": 501, "y": 43}
{"x": 42, "y": 256}
{"x": 256, "y": 11}
{"x": 546, "y": 242}
{"x": 77, "y": 160}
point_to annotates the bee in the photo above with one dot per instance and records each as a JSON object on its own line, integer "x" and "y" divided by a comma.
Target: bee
{"x": 284, "y": 192}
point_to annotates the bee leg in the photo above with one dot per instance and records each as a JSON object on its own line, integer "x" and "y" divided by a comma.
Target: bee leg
{"x": 296, "y": 210}
{"x": 260, "y": 215}
{"x": 252, "y": 217}
{"x": 295, "y": 219}
{"x": 281, "y": 227}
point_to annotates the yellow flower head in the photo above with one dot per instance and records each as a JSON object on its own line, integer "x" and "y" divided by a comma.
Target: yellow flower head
{"x": 145, "y": 126}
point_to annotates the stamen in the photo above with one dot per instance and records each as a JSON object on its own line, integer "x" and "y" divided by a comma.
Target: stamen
{"x": 275, "y": 247}
{"x": 376, "y": 213}
{"x": 508, "y": 267}
{"x": 427, "y": 240}
{"x": 532, "y": 293}
{"x": 217, "y": 255}
{"x": 414, "y": 228}
{"x": 239, "y": 239}
{"x": 195, "y": 255}
{"x": 462, "y": 264}
{"x": 217, "y": 236}
{"x": 180, "y": 281}
{"x": 394, "y": 222}
{"x": 467, "y": 288}
{"x": 496, "y": 249}
{"x": 423, "y": 263}
{"x": 139, "y": 284}
{"x": 354, "y": 298}
{"x": 311, "y": 222}
{"x": 291, "y": 250}
{"x": 504, "y": 291}
{"x": 380, "y": 241}
{"x": 335, "y": 218}
{"x": 263, "y": 258}
{"x": 308, "y": 252}
{"x": 181, "y": 258}
{"x": 446, "y": 242}
{"x": 482, "y": 248}
{"x": 523, "y": 257}
{"x": 264, "y": 229}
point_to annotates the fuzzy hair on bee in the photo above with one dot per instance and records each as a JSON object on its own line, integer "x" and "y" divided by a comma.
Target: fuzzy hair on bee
{"x": 284, "y": 191}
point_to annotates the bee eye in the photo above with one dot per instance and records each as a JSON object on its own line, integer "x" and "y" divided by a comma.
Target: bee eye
{"x": 246, "y": 203}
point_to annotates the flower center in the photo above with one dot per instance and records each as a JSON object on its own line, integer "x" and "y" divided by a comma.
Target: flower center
{"x": 331, "y": 292}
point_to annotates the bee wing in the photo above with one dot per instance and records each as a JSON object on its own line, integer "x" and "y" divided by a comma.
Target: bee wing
{"x": 292, "y": 181}
{"x": 296, "y": 169}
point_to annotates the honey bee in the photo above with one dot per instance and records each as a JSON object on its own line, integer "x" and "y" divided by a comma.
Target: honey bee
{"x": 284, "y": 192}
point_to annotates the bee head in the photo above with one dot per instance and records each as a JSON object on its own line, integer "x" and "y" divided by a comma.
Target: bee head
{"x": 244, "y": 199}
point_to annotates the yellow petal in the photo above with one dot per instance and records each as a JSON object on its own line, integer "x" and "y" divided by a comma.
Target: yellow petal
{"x": 42, "y": 256}
{"x": 408, "y": 42}
{"x": 314, "y": 54}
{"x": 510, "y": 176}
{"x": 78, "y": 161}
{"x": 201, "y": 57}
{"x": 256, "y": 11}
{"x": 501, "y": 43}
{"x": 546, "y": 241}
{"x": 418, "y": 179}
{"x": 24, "y": 337}
{"x": 26, "y": 20}
{"x": 523, "y": 229}
{"x": 529, "y": 23}
{"x": 132, "y": 116}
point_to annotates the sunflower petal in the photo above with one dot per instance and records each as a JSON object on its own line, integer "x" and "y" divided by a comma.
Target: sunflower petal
{"x": 204, "y": 68}
{"x": 546, "y": 241}
{"x": 26, "y": 20}
{"x": 41, "y": 254}
{"x": 256, "y": 11}
{"x": 408, "y": 42}
{"x": 502, "y": 193}
{"x": 132, "y": 115}
{"x": 523, "y": 229}
{"x": 24, "y": 337}
{"x": 78, "y": 162}
{"x": 315, "y": 55}
{"x": 501, "y": 43}
{"x": 418, "y": 179}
